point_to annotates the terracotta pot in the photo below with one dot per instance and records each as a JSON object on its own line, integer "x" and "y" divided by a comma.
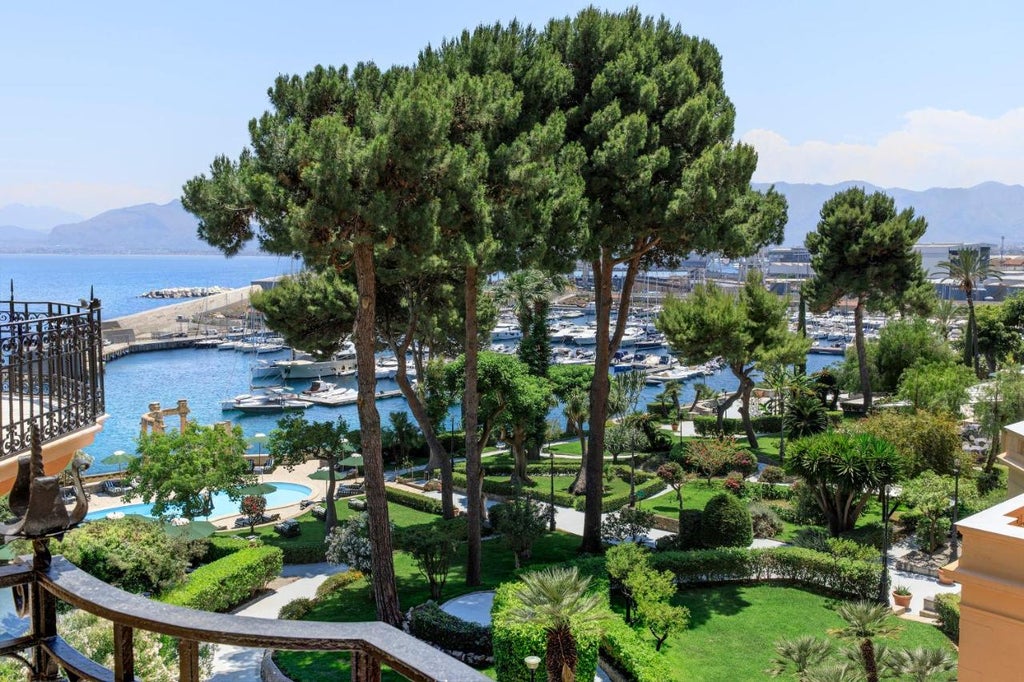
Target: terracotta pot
{"x": 901, "y": 599}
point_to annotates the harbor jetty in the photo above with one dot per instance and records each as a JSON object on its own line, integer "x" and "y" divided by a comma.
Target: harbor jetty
{"x": 185, "y": 292}
{"x": 177, "y": 325}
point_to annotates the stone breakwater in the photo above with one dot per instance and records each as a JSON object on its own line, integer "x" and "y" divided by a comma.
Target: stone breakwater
{"x": 185, "y": 292}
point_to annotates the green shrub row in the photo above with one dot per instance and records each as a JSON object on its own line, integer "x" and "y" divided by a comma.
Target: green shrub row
{"x": 562, "y": 468}
{"x": 220, "y": 546}
{"x": 227, "y": 582}
{"x": 429, "y": 623}
{"x": 514, "y": 639}
{"x": 948, "y": 608}
{"x": 836, "y": 575}
{"x": 615, "y": 502}
{"x": 302, "y": 552}
{"x": 708, "y": 426}
{"x": 414, "y": 500}
{"x": 661, "y": 410}
{"x": 631, "y": 654}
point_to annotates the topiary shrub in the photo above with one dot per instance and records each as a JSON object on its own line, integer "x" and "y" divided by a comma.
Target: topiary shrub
{"x": 764, "y": 522}
{"x": 771, "y": 474}
{"x": 220, "y": 546}
{"x": 726, "y": 522}
{"x": 948, "y": 607}
{"x": 337, "y": 581}
{"x": 296, "y": 609}
{"x": 744, "y": 462}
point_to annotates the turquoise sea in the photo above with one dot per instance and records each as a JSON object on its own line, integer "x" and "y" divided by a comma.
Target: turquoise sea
{"x": 202, "y": 376}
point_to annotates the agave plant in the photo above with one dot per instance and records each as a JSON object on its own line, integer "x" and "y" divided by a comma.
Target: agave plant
{"x": 557, "y": 599}
{"x": 801, "y": 653}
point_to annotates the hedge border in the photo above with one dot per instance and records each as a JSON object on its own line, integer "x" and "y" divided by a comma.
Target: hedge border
{"x": 947, "y": 605}
{"x": 223, "y": 584}
{"x": 413, "y": 500}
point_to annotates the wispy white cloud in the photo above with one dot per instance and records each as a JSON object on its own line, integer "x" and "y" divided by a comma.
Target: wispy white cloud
{"x": 85, "y": 198}
{"x": 934, "y": 148}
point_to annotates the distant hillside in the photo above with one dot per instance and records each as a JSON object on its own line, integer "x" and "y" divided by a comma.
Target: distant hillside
{"x": 19, "y": 236}
{"x": 36, "y": 218}
{"x": 982, "y": 213}
{"x": 146, "y": 228}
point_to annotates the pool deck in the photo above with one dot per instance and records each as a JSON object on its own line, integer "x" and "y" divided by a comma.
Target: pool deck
{"x": 299, "y": 474}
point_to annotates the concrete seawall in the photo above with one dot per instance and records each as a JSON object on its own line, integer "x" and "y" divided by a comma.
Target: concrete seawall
{"x": 176, "y": 317}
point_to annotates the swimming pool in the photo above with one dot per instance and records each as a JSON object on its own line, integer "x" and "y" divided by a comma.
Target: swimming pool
{"x": 283, "y": 494}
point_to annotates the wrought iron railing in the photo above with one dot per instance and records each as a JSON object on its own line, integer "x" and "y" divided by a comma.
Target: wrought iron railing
{"x": 371, "y": 644}
{"x": 51, "y": 371}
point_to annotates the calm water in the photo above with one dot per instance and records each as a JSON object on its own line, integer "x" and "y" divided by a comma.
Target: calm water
{"x": 202, "y": 376}
{"x": 119, "y": 281}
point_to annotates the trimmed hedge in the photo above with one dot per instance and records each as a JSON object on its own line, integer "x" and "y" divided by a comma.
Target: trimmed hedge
{"x": 413, "y": 500}
{"x": 515, "y": 639}
{"x": 616, "y": 502}
{"x": 220, "y": 546}
{"x": 948, "y": 607}
{"x": 846, "y": 577}
{"x": 429, "y": 623}
{"x": 631, "y": 654}
{"x": 227, "y": 582}
{"x": 301, "y": 553}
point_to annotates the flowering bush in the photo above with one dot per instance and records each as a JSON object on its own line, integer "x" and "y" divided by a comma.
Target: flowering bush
{"x": 734, "y": 481}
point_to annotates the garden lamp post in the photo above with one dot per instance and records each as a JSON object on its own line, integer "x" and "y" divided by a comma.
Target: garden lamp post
{"x": 954, "y": 550}
{"x": 883, "y": 583}
{"x": 532, "y": 662}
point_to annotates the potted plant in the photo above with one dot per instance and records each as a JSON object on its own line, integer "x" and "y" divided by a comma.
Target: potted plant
{"x": 901, "y": 595}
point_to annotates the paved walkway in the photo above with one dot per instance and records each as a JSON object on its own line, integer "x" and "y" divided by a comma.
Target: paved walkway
{"x": 242, "y": 664}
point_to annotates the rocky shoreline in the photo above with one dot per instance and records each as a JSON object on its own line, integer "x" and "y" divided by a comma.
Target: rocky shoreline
{"x": 185, "y": 292}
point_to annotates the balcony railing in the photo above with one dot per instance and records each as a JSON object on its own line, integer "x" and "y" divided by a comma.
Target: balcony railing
{"x": 51, "y": 371}
{"x": 371, "y": 644}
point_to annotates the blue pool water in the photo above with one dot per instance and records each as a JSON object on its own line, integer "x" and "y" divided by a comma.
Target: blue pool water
{"x": 284, "y": 494}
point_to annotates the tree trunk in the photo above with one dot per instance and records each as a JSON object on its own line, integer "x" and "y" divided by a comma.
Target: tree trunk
{"x": 470, "y": 406}
{"x": 331, "y": 513}
{"x": 599, "y": 389}
{"x": 562, "y": 655}
{"x": 579, "y": 484}
{"x": 517, "y": 446}
{"x": 867, "y": 654}
{"x": 438, "y": 457}
{"x": 862, "y": 355}
{"x": 382, "y": 554}
{"x": 971, "y": 342}
{"x": 746, "y": 388}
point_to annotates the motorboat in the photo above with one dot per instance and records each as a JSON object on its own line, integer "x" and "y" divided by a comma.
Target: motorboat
{"x": 506, "y": 332}
{"x": 680, "y": 373}
{"x": 270, "y": 400}
{"x": 305, "y": 366}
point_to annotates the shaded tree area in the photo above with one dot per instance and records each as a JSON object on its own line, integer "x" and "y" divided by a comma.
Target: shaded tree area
{"x": 178, "y": 472}
{"x": 748, "y": 331}
{"x": 863, "y": 249}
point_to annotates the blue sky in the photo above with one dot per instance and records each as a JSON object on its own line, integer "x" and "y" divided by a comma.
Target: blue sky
{"x": 107, "y": 104}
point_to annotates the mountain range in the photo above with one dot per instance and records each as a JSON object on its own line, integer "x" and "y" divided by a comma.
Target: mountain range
{"x": 984, "y": 213}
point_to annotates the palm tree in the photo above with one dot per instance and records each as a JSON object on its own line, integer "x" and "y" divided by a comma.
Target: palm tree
{"x": 802, "y": 652}
{"x": 968, "y": 270}
{"x": 701, "y": 391}
{"x": 786, "y": 382}
{"x": 946, "y": 312}
{"x": 557, "y": 599}
{"x": 864, "y": 621}
{"x": 840, "y": 671}
{"x": 923, "y": 664}
{"x": 672, "y": 391}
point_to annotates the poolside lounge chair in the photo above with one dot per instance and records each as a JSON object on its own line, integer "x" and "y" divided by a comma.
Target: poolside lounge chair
{"x": 288, "y": 528}
{"x": 266, "y": 467}
{"x": 112, "y": 486}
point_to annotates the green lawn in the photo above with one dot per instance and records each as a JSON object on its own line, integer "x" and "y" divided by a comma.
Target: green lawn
{"x": 733, "y": 630}
{"x": 355, "y": 603}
